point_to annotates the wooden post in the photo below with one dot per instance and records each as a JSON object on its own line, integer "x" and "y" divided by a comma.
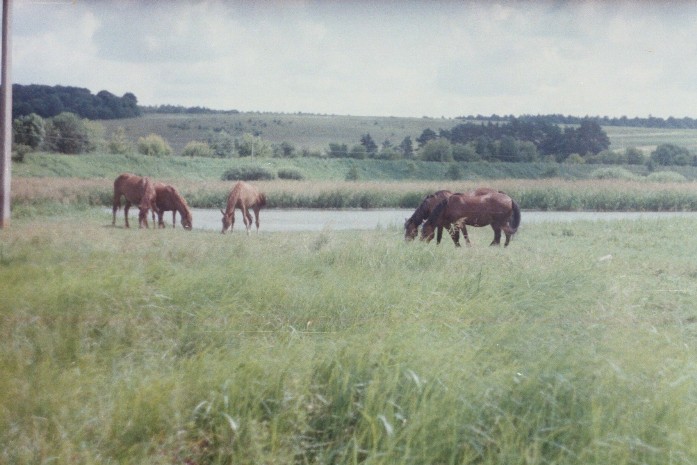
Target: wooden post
{"x": 6, "y": 115}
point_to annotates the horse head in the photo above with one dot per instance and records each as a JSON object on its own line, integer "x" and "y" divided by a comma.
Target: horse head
{"x": 227, "y": 220}
{"x": 428, "y": 231}
{"x": 411, "y": 229}
{"x": 187, "y": 221}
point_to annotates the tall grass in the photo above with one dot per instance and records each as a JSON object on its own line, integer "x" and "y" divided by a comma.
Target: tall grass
{"x": 40, "y": 196}
{"x": 575, "y": 345}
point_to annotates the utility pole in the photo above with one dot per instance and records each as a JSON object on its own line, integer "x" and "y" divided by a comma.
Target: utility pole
{"x": 5, "y": 116}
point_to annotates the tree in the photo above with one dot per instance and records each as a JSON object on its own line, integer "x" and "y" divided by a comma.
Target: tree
{"x": 370, "y": 146}
{"x": 407, "y": 147}
{"x": 67, "y": 133}
{"x": 254, "y": 146}
{"x": 29, "y": 130}
{"x": 671, "y": 154}
{"x": 338, "y": 150}
{"x": 197, "y": 149}
{"x": 426, "y": 136}
{"x": 437, "y": 150}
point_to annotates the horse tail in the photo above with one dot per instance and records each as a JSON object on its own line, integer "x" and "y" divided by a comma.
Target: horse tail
{"x": 261, "y": 199}
{"x": 514, "y": 222}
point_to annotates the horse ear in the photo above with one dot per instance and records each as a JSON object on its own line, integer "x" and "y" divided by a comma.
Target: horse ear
{"x": 221, "y": 211}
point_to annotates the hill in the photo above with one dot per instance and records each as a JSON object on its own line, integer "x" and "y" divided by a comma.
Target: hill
{"x": 314, "y": 133}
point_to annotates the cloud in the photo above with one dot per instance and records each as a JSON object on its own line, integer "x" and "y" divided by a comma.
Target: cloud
{"x": 402, "y": 58}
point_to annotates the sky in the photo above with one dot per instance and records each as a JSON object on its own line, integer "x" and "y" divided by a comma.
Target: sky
{"x": 438, "y": 58}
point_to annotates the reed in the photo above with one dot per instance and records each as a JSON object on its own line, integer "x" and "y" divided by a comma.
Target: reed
{"x": 33, "y": 196}
{"x": 573, "y": 345}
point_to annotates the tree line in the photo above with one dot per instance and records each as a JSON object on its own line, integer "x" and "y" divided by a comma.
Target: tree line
{"x": 622, "y": 121}
{"x": 49, "y": 101}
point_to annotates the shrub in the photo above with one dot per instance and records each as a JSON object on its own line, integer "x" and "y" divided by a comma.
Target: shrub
{"x": 197, "y": 149}
{"x": 352, "y": 174}
{"x": 575, "y": 159}
{"x": 19, "y": 151}
{"x": 119, "y": 143}
{"x": 454, "y": 172}
{"x": 437, "y": 150}
{"x": 613, "y": 173}
{"x": 29, "y": 130}
{"x": 290, "y": 174}
{"x": 666, "y": 176}
{"x": 248, "y": 173}
{"x": 154, "y": 145}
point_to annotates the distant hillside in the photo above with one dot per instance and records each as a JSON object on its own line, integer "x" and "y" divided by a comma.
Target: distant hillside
{"x": 303, "y": 131}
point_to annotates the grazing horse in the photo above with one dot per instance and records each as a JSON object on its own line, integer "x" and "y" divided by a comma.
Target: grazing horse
{"x": 494, "y": 208}
{"x": 411, "y": 225}
{"x": 421, "y": 214}
{"x": 167, "y": 198}
{"x": 243, "y": 196}
{"x": 137, "y": 190}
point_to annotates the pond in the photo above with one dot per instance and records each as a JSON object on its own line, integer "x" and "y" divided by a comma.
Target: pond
{"x": 317, "y": 220}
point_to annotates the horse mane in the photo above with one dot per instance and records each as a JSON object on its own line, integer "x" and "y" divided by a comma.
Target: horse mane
{"x": 436, "y": 212}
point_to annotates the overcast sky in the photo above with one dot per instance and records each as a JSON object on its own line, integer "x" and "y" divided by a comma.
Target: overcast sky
{"x": 376, "y": 58}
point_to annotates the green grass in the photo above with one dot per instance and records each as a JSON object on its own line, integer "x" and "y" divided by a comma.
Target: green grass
{"x": 575, "y": 345}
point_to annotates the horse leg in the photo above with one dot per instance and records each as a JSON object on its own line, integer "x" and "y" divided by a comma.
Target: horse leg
{"x": 143, "y": 218}
{"x": 247, "y": 218}
{"x": 455, "y": 235}
{"x": 125, "y": 212}
{"x": 256, "y": 217}
{"x": 497, "y": 235}
{"x": 174, "y": 219}
{"x": 463, "y": 228}
{"x": 117, "y": 204}
{"x": 508, "y": 239}
{"x": 439, "y": 234}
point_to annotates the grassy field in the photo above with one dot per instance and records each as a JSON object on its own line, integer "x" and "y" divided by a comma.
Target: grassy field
{"x": 575, "y": 345}
{"x": 315, "y": 132}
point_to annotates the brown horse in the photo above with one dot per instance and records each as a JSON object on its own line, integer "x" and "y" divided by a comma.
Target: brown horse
{"x": 137, "y": 190}
{"x": 167, "y": 198}
{"x": 421, "y": 214}
{"x": 493, "y": 208}
{"x": 243, "y": 196}
{"x": 411, "y": 225}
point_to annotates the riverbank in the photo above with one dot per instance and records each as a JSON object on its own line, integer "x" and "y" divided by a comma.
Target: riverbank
{"x": 41, "y": 196}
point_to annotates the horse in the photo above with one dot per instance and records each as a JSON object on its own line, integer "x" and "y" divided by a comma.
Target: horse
{"x": 493, "y": 208}
{"x": 138, "y": 190}
{"x": 167, "y": 198}
{"x": 421, "y": 214}
{"x": 411, "y": 225}
{"x": 243, "y": 196}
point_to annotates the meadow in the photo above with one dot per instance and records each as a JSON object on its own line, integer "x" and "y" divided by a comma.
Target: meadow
{"x": 574, "y": 345}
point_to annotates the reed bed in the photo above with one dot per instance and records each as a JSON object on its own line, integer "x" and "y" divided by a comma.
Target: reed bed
{"x": 574, "y": 345}
{"x": 31, "y": 194}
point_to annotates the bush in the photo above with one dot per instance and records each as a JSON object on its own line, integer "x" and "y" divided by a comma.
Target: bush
{"x": 437, "y": 150}
{"x": 197, "y": 149}
{"x": 67, "y": 133}
{"x": 614, "y": 173}
{"x": 666, "y": 176}
{"x": 248, "y": 173}
{"x": 29, "y": 130}
{"x": 290, "y": 174}
{"x": 154, "y": 145}
{"x": 19, "y": 151}
{"x": 119, "y": 143}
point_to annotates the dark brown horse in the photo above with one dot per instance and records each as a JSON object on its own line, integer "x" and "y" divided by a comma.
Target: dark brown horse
{"x": 167, "y": 198}
{"x": 411, "y": 225}
{"x": 421, "y": 214}
{"x": 243, "y": 196}
{"x": 459, "y": 210}
{"x": 137, "y": 190}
